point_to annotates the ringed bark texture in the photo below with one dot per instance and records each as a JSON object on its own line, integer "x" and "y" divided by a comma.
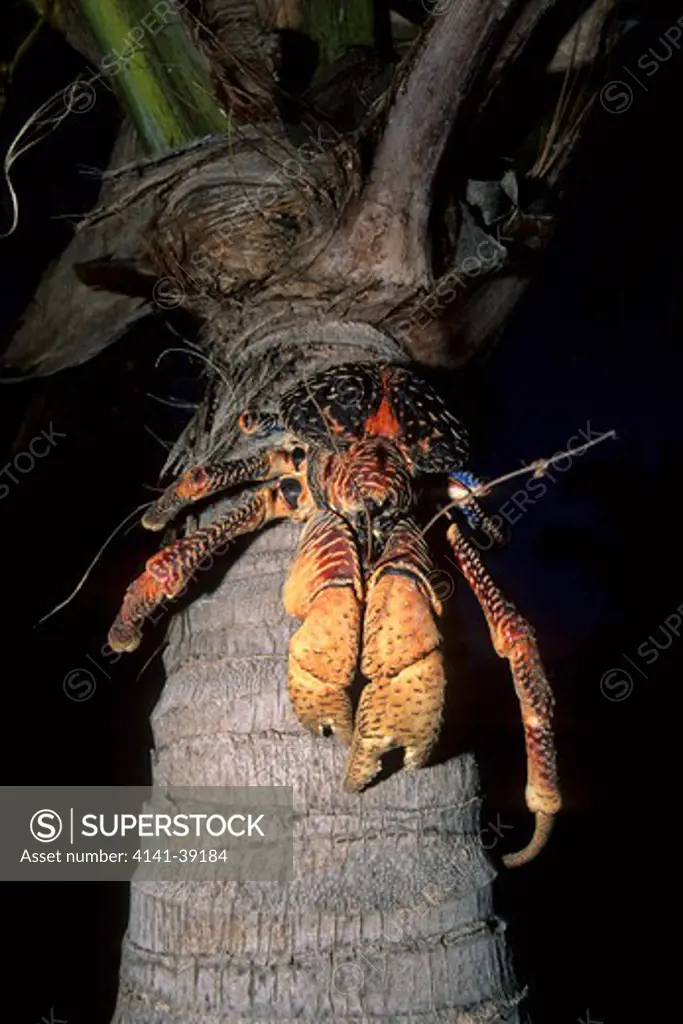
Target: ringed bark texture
{"x": 389, "y": 916}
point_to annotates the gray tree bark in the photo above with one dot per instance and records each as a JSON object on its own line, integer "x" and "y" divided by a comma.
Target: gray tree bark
{"x": 389, "y": 916}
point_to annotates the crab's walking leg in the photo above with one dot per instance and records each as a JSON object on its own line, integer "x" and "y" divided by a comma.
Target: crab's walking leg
{"x": 202, "y": 481}
{"x": 325, "y": 589}
{"x": 168, "y": 571}
{"x": 513, "y": 638}
{"x": 401, "y": 705}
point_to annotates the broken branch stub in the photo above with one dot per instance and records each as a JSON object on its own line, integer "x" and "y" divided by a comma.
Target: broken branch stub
{"x": 384, "y": 237}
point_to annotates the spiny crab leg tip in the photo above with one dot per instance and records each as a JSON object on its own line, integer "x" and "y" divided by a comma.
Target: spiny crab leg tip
{"x": 542, "y": 830}
{"x": 123, "y": 644}
{"x": 152, "y": 524}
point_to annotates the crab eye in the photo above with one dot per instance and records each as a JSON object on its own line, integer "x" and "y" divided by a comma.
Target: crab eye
{"x": 261, "y": 424}
{"x": 457, "y": 491}
{"x": 249, "y": 421}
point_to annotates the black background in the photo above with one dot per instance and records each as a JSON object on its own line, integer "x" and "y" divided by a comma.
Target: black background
{"x": 593, "y": 562}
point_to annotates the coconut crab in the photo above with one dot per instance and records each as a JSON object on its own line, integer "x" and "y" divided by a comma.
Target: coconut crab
{"x": 343, "y": 453}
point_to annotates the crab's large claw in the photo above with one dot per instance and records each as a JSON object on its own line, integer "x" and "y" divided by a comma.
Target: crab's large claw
{"x": 325, "y": 589}
{"x": 402, "y": 704}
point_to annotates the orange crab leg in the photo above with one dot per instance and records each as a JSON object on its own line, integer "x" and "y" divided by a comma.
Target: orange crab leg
{"x": 169, "y": 570}
{"x": 325, "y": 589}
{"x": 202, "y": 481}
{"x": 402, "y": 704}
{"x": 514, "y": 639}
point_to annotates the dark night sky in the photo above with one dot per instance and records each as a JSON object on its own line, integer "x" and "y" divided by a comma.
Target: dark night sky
{"x": 593, "y": 562}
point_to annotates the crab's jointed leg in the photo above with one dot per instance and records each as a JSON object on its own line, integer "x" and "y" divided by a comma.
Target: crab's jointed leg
{"x": 513, "y": 638}
{"x": 202, "y": 481}
{"x": 325, "y": 589}
{"x": 402, "y": 704}
{"x": 169, "y": 570}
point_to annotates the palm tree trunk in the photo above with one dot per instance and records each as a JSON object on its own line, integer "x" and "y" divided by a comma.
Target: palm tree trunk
{"x": 389, "y": 916}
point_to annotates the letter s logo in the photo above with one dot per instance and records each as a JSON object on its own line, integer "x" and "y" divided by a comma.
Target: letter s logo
{"x": 46, "y": 826}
